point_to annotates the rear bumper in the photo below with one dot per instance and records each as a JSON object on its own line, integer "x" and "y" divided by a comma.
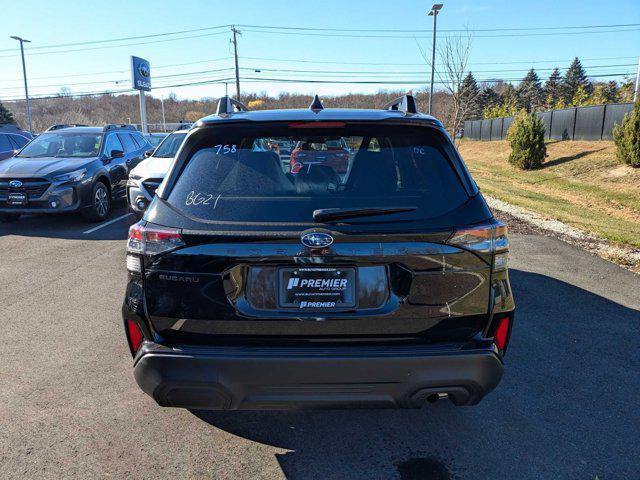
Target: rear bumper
{"x": 255, "y": 378}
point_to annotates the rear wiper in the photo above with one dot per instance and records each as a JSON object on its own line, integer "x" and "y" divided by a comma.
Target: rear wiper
{"x": 327, "y": 214}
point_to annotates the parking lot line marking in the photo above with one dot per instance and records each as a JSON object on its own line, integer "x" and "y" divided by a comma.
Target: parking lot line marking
{"x": 91, "y": 230}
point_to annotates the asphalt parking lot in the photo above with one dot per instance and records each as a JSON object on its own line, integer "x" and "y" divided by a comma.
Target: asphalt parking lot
{"x": 69, "y": 406}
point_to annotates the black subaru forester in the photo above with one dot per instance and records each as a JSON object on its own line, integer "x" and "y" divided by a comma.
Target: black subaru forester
{"x": 254, "y": 287}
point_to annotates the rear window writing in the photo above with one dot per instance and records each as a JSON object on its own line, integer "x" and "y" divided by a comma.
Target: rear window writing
{"x": 282, "y": 174}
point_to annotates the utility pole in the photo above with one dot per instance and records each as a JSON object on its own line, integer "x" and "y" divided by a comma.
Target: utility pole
{"x": 24, "y": 74}
{"x": 635, "y": 92}
{"x": 433, "y": 13}
{"x": 235, "y": 54}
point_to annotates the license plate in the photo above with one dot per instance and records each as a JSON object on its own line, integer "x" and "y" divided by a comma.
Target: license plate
{"x": 317, "y": 288}
{"x": 15, "y": 198}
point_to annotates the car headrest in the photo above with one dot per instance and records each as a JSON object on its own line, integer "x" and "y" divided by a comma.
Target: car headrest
{"x": 254, "y": 172}
{"x": 372, "y": 173}
{"x": 316, "y": 179}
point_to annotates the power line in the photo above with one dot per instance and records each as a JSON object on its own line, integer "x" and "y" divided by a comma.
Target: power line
{"x": 332, "y": 62}
{"x": 322, "y": 62}
{"x": 122, "y": 39}
{"x": 119, "y": 45}
{"x": 350, "y": 35}
{"x": 280, "y": 27}
{"x": 319, "y": 74}
{"x": 319, "y": 29}
{"x": 123, "y": 79}
{"x": 316, "y": 31}
{"x": 290, "y": 80}
{"x": 341, "y": 73}
{"x": 155, "y": 67}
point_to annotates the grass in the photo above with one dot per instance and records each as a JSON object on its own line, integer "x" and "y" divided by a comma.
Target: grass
{"x": 581, "y": 183}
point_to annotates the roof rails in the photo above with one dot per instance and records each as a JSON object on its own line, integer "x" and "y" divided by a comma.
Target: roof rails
{"x": 64, "y": 125}
{"x": 183, "y": 126}
{"x": 227, "y": 105}
{"x": 406, "y": 104}
{"x": 114, "y": 126}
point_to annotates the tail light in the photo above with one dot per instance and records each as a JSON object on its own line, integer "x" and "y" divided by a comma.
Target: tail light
{"x": 151, "y": 240}
{"x": 488, "y": 238}
{"x": 501, "y": 333}
{"x": 134, "y": 335}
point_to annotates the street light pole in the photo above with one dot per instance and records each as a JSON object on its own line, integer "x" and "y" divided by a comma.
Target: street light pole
{"x": 433, "y": 13}
{"x": 24, "y": 74}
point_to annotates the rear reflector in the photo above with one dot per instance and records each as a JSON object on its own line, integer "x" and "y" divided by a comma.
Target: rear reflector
{"x": 135, "y": 335}
{"x": 501, "y": 334}
{"x": 133, "y": 264}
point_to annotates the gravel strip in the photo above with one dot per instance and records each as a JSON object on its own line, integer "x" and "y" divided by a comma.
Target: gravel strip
{"x": 526, "y": 222}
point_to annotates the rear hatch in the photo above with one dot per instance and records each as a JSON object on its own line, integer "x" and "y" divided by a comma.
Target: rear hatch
{"x": 239, "y": 249}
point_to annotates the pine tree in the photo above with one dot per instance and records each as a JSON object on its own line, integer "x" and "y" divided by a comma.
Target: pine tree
{"x": 580, "y": 98}
{"x": 488, "y": 98}
{"x": 610, "y": 92}
{"x": 574, "y": 78}
{"x": 5, "y": 115}
{"x": 469, "y": 93}
{"x": 530, "y": 92}
{"x": 553, "y": 89}
{"x": 626, "y": 136}
{"x": 604, "y": 93}
{"x": 509, "y": 96}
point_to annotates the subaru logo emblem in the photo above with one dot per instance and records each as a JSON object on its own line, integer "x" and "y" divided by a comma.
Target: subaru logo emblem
{"x": 143, "y": 70}
{"x": 15, "y": 183}
{"x": 316, "y": 240}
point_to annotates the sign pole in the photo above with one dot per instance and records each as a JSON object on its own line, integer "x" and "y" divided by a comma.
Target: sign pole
{"x": 143, "y": 113}
{"x": 141, "y": 81}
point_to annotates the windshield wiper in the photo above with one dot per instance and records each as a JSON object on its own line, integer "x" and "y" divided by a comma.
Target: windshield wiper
{"x": 328, "y": 214}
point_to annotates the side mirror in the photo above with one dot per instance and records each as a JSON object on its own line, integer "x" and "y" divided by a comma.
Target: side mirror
{"x": 116, "y": 154}
{"x": 148, "y": 153}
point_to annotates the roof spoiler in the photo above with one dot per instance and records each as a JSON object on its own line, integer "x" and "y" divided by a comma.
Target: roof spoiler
{"x": 227, "y": 105}
{"x": 406, "y": 104}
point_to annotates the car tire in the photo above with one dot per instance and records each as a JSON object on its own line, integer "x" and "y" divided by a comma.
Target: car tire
{"x": 100, "y": 203}
{"x": 9, "y": 217}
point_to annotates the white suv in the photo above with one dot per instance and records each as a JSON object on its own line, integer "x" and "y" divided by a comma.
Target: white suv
{"x": 147, "y": 176}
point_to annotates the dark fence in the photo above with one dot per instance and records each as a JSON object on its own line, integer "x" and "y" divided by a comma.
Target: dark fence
{"x": 578, "y": 123}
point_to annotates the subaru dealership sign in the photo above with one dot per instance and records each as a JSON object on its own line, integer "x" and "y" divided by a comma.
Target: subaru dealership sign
{"x": 140, "y": 74}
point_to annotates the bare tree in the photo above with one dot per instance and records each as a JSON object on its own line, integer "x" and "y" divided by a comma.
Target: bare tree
{"x": 453, "y": 56}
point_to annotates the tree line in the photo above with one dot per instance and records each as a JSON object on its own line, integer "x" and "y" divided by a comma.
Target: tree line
{"x": 462, "y": 98}
{"x": 573, "y": 89}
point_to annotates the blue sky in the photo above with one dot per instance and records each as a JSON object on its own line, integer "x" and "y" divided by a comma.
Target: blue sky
{"x": 204, "y": 55}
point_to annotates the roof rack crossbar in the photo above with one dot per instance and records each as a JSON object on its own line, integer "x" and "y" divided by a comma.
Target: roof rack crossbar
{"x": 405, "y": 103}
{"x": 227, "y": 105}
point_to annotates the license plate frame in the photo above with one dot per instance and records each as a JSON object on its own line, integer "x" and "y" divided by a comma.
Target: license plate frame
{"x": 17, "y": 199}
{"x": 333, "y": 295}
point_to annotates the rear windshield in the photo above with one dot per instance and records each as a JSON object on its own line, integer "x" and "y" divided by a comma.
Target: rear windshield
{"x": 282, "y": 173}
